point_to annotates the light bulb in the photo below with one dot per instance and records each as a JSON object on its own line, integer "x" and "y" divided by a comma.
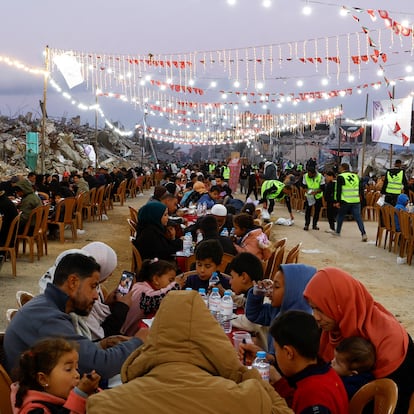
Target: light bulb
{"x": 267, "y": 3}
{"x": 307, "y": 10}
{"x": 299, "y": 83}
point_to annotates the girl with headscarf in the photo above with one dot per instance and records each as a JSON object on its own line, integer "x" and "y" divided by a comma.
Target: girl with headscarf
{"x": 152, "y": 240}
{"x": 343, "y": 307}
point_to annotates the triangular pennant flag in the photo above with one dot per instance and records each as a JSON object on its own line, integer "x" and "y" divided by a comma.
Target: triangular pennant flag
{"x": 371, "y": 42}
{"x": 365, "y": 29}
{"x": 396, "y": 128}
{"x": 405, "y": 138}
{"x": 372, "y": 14}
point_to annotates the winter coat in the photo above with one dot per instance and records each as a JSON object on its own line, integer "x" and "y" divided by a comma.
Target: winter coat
{"x": 187, "y": 364}
{"x": 251, "y": 242}
{"x": 30, "y": 201}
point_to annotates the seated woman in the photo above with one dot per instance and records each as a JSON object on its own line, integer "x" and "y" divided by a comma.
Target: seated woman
{"x": 179, "y": 369}
{"x": 251, "y": 237}
{"x": 152, "y": 240}
{"x": 343, "y": 307}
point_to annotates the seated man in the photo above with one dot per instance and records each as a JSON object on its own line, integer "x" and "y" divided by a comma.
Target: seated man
{"x": 74, "y": 289}
{"x": 187, "y": 365}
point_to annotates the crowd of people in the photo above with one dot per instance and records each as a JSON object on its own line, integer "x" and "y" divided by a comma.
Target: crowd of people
{"x": 325, "y": 336}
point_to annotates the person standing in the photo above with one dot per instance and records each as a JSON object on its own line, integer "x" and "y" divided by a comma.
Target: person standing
{"x": 329, "y": 196}
{"x": 394, "y": 184}
{"x": 314, "y": 182}
{"x": 348, "y": 199}
{"x": 244, "y": 174}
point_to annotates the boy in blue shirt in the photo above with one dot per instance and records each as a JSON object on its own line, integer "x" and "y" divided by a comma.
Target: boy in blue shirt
{"x": 209, "y": 254}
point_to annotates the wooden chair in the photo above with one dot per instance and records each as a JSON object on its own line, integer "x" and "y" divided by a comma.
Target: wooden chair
{"x": 411, "y": 405}
{"x": 88, "y": 206}
{"x": 109, "y": 205}
{"x": 32, "y": 235}
{"x": 136, "y": 263}
{"x": 395, "y": 235}
{"x": 81, "y": 199}
{"x": 370, "y": 210}
{"x": 132, "y": 228}
{"x": 133, "y": 214}
{"x": 120, "y": 194}
{"x": 99, "y": 206}
{"x": 22, "y": 297}
{"x": 267, "y": 229}
{"x": 407, "y": 235}
{"x": 65, "y": 217}
{"x": 383, "y": 391}
{"x": 5, "y": 382}
{"x": 10, "y": 315}
{"x": 43, "y": 230}
{"x": 293, "y": 254}
{"x": 227, "y": 258}
{"x": 381, "y": 227}
{"x": 276, "y": 258}
{"x": 10, "y": 245}
{"x": 131, "y": 189}
{"x": 43, "y": 196}
{"x": 189, "y": 262}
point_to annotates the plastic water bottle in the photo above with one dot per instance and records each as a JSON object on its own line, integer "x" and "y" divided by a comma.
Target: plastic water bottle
{"x": 214, "y": 279}
{"x": 214, "y": 301}
{"x": 203, "y": 295}
{"x": 187, "y": 244}
{"x": 199, "y": 210}
{"x": 199, "y": 237}
{"x": 262, "y": 365}
{"x": 226, "y": 311}
{"x": 224, "y": 232}
{"x": 204, "y": 209}
{"x": 232, "y": 232}
{"x": 188, "y": 288}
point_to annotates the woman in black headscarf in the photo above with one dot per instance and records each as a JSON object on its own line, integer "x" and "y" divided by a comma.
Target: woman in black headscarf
{"x": 152, "y": 239}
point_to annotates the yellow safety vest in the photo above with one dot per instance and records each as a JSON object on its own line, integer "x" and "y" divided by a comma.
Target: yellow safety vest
{"x": 226, "y": 172}
{"x": 314, "y": 184}
{"x": 394, "y": 185}
{"x": 278, "y": 191}
{"x": 350, "y": 190}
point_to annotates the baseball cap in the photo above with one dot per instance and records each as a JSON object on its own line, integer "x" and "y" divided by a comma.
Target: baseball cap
{"x": 219, "y": 210}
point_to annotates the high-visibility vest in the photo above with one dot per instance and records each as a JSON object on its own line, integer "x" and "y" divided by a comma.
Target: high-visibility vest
{"x": 314, "y": 184}
{"x": 211, "y": 167}
{"x": 277, "y": 193}
{"x": 226, "y": 172}
{"x": 350, "y": 190}
{"x": 394, "y": 185}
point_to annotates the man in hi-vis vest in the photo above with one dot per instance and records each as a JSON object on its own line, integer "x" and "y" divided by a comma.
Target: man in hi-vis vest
{"x": 314, "y": 182}
{"x": 394, "y": 184}
{"x": 348, "y": 199}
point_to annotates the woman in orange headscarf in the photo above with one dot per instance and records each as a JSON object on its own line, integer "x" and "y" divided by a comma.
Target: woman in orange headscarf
{"x": 343, "y": 307}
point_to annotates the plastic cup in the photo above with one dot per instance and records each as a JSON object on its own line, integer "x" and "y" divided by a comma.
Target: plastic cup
{"x": 239, "y": 336}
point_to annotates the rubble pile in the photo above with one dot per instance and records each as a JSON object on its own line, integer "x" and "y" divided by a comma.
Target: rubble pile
{"x": 66, "y": 146}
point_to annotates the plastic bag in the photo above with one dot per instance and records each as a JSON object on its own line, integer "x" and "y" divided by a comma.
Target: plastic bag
{"x": 381, "y": 200}
{"x": 284, "y": 222}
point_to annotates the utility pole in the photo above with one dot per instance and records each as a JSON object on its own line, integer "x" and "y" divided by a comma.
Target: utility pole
{"x": 364, "y": 139}
{"x": 44, "y": 113}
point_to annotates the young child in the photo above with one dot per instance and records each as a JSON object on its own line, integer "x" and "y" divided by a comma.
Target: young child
{"x": 209, "y": 254}
{"x": 353, "y": 361}
{"x": 245, "y": 269}
{"x": 155, "y": 279}
{"x": 288, "y": 285}
{"x": 48, "y": 380}
{"x": 317, "y": 387}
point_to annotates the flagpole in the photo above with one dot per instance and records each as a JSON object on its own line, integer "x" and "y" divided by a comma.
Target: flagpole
{"x": 364, "y": 137}
{"x": 43, "y": 134}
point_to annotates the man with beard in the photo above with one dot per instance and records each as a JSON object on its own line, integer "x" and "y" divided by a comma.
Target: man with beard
{"x": 47, "y": 315}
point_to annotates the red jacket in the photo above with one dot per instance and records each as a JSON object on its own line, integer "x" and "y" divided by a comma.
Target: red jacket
{"x": 319, "y": 385}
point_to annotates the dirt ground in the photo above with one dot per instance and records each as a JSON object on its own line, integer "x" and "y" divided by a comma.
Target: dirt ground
{"x": 391, "y": 284}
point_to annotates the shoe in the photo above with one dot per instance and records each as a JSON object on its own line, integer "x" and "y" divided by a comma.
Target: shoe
{"x": 331, "y": 231}
{"x": 334, "y": 233}
{"x": 306, "y": 228}
{"x": 364, "y": 238}
{"x": 315, "y": 228}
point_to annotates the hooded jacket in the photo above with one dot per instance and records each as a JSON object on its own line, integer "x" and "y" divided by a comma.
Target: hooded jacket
{"x": 187, "y": 365}
{"x": 252, "y": 242}
{"x": 30, "y": 201}
{"x": 402, "y": 202}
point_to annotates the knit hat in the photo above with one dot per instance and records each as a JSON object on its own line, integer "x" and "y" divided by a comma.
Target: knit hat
{"x": 219, "y": 210}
